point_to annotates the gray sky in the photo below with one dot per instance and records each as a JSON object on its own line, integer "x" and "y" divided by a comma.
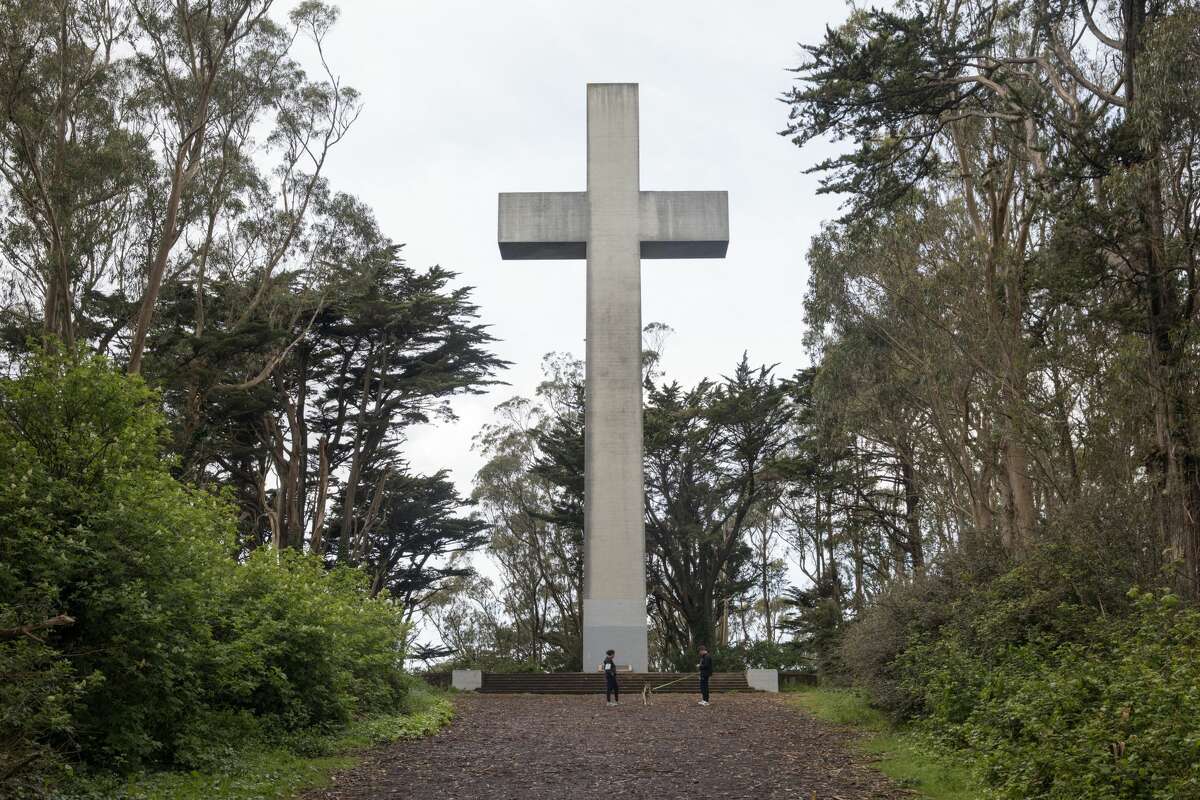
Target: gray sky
{"x": 467, "y": 99}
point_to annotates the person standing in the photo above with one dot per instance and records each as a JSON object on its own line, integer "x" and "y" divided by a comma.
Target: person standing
{"x": 612, "y": 692}
{"x": 706, "y": 668}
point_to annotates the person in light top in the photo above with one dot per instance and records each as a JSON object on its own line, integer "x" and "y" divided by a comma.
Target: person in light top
{"x": 611, "y": 692}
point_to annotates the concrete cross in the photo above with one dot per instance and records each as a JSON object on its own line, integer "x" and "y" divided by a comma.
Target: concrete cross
{"x": 613, "y": 225}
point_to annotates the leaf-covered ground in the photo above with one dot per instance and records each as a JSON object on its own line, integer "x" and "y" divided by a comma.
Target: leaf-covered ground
{"x": 536, "y": 747}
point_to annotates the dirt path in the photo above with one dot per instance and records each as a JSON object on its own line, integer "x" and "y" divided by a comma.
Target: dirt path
{"x": 536, "y": 747}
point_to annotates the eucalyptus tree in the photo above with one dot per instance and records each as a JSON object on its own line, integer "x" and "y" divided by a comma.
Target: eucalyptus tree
{"x": 1062, "y": 134}
{"x": 933, "y": 96}
{"x": 211, "y": 72}
{"x": 1136, "y": 222}
{"x": 70, "y": 165}
{"x": 129, "y": 150}
{"x": 530, "y": 490}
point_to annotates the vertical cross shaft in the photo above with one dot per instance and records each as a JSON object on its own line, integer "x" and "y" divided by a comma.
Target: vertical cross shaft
{"x": 614, "y": 225}
{"x": 614, "y": 605}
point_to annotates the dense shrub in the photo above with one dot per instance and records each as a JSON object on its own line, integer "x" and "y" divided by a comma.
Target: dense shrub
{"x": 1115, "y": 716}
{"x": 173, "y": 640}
{"x": 37, "y": 691}
{"x": 92, "y": 525}
{"x": 988, "y": 604}
{"x": 788, "y": 655}
{"x": 1061, "y": 686}
{"x": 301, "y": 646}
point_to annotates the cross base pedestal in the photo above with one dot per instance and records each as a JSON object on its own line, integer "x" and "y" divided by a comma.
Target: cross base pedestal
{"x": 615, "y": 625}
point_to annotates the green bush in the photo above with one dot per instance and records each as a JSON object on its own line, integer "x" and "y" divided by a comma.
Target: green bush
{"x": 37, "y": 690}
{"x": 176, "y": 650}
{"x": 980, "y": 602}
{"x": 1116, "y": 717}
{"x": 300, "y": 646}
{"x": 92, "y": 525}
{"x": 1059, "y": 686}
{"x": 788, "y": 655}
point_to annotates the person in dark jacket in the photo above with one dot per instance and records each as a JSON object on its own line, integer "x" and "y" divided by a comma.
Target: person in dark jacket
{"x": 611, "y": 693}
{"x": 706, "y": 669}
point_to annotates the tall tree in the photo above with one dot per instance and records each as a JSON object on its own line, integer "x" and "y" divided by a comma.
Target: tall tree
{"x": 709, "y": 453}
{"x": 68, "y": 164}
{"x": 1036, "y": 135}
{"x": 531, "y": 492}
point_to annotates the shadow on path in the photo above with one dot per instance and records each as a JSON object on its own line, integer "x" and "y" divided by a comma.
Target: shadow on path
{"x": 537, "y": 747}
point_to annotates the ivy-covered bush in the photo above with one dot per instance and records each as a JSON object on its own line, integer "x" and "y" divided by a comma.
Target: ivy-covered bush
{"x": 170, "y": 641}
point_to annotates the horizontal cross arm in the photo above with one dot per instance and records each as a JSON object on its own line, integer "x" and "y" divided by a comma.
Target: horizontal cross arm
{"x": 543, "y": 225}
{"x": 684, "y": 224}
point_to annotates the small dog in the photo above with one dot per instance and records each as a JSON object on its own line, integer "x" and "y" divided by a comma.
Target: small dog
{"x": 647, "y": 693}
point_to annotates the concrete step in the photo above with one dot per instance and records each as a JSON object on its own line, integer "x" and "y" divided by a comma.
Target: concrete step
{"x": 593, "y": 683}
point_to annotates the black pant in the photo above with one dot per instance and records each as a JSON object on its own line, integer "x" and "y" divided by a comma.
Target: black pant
{"x": 704, "y": 687}
{"x": 610, "y": 688}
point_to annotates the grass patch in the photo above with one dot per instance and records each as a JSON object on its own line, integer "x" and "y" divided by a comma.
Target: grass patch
{"x": 275, "y": 770}
{"x": 905, "y": 756}
{"x": 257, "y": 774}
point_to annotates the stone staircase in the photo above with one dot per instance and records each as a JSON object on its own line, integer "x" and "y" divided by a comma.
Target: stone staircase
{"x": 593, "y": 682}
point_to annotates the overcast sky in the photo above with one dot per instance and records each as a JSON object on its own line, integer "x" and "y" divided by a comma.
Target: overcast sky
{"x": 466, "y": 99}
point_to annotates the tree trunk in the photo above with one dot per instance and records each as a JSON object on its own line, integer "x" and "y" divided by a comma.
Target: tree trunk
{"x": 859, "y": 596}
{"x": 766, "y": 593}
{"x": 1178, "y": 464}
{"x": 1019, "y": 492}
{"x": 912, "y": 513}
{"x": 318, "y": 523}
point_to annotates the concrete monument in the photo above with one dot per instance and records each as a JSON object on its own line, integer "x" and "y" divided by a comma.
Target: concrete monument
{"x": 613, "y": 225}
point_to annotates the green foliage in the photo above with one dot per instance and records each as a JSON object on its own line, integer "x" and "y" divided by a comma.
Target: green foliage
{"x": 299, "y": 646}
{"x": 843, "y": 707}
{"x": 176, "y": 652}
{"x": 816, "y": 621}
{"x": 1011, "y": 421}
{"x": 1056, "y": 684}
{"x": 37, "y": 690}
{"x": 760, "y": 655}
{"x": 912, "y": 761}
{"x": 904, "y": 755}
{"x": 710, "y": 456}
{"x": 1116, "y": 715}
{"x": 425, "y": 713}
{"x": 92, "y": 525}
{"x": 255, "y": 768}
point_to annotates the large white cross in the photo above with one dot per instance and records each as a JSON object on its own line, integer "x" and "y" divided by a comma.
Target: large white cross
{"x": 613, "y": 225}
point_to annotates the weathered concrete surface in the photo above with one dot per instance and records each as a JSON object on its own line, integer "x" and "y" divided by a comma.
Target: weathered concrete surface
{"x": 543, "y": 225}
{"x": 684, "y": 224}
{"x": 614, "y": 224}
{"x": 765, "y": 680}
{"x": 554, "y": 225}
{"x": 614, "y": 576}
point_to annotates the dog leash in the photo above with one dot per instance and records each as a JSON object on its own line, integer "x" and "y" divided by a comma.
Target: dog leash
{"x": 677, "y": 680}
